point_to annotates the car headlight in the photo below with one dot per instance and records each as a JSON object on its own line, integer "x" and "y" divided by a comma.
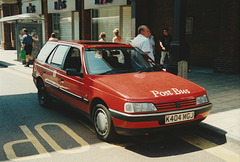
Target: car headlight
{"x": 202, "y": 99}
{"x": 139, "y": 107}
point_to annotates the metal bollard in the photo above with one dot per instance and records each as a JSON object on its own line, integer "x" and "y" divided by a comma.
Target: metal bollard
{"x": 183, "y": 69}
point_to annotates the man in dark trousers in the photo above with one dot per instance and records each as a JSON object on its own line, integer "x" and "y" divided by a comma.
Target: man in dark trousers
{"x": 164, "y": 42}
{"x": 27, "y": 45}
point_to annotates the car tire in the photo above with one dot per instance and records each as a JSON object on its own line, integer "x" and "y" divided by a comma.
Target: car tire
{"x": 43, "y": 97}
{"x": 102, "y": 123}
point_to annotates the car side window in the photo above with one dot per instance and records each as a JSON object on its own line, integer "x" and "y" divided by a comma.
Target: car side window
{"x": 45, "y": 51}
{"x": 58, "y": 55}
{"x": 73, "y": 60}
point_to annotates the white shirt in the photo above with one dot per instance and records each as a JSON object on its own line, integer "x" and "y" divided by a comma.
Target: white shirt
{"x": 142, "y": 43}
{"x": 152, "y": 42}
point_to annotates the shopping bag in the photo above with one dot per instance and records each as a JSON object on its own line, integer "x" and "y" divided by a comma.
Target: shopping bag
{"x": 22, "y": 55}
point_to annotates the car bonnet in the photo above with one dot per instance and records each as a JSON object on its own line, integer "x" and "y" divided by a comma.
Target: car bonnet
{"x": 148, "y": 86}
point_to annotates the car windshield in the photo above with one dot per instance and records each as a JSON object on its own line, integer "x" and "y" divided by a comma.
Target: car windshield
{"x": 118, "y": 60}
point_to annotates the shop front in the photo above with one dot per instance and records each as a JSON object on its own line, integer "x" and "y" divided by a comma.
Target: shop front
{"x": 33, "y": 23}
{"x": 34, "y": 27}
{"x": 106, "y": 15}
{"x": 65, "y": 19}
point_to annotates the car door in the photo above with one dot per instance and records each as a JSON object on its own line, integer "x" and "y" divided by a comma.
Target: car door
{"x": 71, "y": 86}
{"x": 52, "y": 75}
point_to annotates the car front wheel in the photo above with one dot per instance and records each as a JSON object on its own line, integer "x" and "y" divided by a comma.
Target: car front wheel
{"x": 102, "y": 123}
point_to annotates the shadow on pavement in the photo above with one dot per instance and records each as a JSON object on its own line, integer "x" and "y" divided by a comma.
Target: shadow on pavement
{"x": 23, "y": 109}
{"x": 169, "y": 143}
{"x": 5, "y": 64}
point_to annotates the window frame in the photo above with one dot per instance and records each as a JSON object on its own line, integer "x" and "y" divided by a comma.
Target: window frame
{"x": 66, "y": 55}
{"x": 50, "y": 58}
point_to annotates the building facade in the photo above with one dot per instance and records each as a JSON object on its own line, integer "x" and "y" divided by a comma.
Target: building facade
{"x": 211, "y": 28}
{"x": 8, "y": 33}
{"x": 212, "y": 31}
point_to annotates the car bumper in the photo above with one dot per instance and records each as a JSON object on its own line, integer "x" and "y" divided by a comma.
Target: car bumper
{"x": 145, "y": 123}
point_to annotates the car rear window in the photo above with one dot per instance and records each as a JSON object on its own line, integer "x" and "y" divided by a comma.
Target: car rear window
{"x": 59, "y": 54}
{"x": 45, "y": 51}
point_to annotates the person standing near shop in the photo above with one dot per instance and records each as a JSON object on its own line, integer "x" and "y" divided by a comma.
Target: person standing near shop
{"x": 142, "y": 39}
{"x": 117, "y": 38}
{"x": 102, "y": 37}
{"x": 27, "y": 45}
{"x": 53, "y": 37}
{"x": 164, "y": 42}
{"x": 152, "y": 41}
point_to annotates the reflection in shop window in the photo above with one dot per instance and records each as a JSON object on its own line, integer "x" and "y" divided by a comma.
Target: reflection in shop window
{"x": 107, "y": 19}
{"x": 62, "y": 25}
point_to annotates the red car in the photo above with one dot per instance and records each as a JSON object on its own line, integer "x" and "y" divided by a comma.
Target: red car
{"x": 118, "y": 87}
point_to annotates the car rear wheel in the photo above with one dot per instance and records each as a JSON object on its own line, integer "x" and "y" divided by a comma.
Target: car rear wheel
{"x": 102, "y": 123}
{"x": 43, "y": 97}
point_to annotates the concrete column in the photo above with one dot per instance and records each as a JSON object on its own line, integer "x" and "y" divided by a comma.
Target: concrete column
{"x": 179, "y": 46}
{"x": 6, "y": 32}
{"x": 48, "y": 20}
{"x": 133, "y": 21}
{"x": 85, "y": 26}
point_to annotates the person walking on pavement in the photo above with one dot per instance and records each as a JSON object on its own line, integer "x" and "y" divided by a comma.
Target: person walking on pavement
{"x": 27, "y": 45}
{"x": 117, "y": 38}
{"x": 142, "y": 40}
{"x": 164, "y": 42}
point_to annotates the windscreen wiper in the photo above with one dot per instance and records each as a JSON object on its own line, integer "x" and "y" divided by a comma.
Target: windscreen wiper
{"x": 115, "y": 71}
{"x": 150, "y": 69}
{"x": 144, "y": 70}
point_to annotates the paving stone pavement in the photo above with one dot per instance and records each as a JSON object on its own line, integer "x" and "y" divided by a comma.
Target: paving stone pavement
{"x": 223, "y": 89}
{"x": 224, "y": 92}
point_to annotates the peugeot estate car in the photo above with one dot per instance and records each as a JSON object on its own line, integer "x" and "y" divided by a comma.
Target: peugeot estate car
{"x": 118, "y": 87}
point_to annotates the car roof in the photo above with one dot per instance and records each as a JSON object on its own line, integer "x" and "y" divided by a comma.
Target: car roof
{"x": 92, "y": 44}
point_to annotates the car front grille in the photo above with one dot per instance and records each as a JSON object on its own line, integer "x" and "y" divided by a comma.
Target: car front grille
{"x": 171, "y": 106}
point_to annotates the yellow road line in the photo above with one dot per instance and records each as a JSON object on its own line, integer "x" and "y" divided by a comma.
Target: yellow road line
{"x": 84, "y": 145}
{"x": 212, "y": 148}
{"x": 10, "y": 152}
{"x": 112, "y": 145}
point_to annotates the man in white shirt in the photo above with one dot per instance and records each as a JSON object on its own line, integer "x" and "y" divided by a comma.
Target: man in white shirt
{"x": 142, "y": 39}
{"x": 152, "y": 42}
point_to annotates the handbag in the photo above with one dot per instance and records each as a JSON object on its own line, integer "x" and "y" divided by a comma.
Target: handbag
{"x": 22, "y": 55}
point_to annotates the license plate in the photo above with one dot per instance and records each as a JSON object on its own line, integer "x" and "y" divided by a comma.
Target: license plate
{"x": 174, "y": 118}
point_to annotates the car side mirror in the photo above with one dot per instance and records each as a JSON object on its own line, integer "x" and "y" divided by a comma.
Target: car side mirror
{"x": 74, "y": 72}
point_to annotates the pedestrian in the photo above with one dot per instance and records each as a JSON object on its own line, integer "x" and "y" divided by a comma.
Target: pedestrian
{"x": 53, "y": 37}
{"x": 117, "y": 38}
{"x": 27, "y": 45}
{"x": 102, "y": 37}
{"x": 165, "y": 41}
{"x": 142, "y": 39}
{"x": 152, "y": 41}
